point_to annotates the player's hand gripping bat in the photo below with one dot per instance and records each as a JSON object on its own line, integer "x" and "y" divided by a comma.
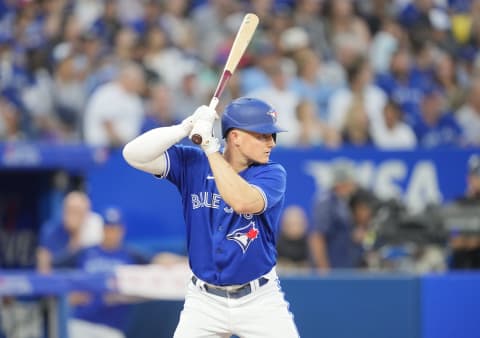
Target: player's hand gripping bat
{"x": 242, "y": 39}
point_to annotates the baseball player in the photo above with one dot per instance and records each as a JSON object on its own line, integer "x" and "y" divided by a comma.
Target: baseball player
{"x": 232, "y": 203}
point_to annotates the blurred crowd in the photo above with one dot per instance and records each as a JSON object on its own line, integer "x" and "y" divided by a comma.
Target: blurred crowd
{"x": 395, "y": 74}
{"x": 390, "y": 74}
{"x": 349, "y": 227}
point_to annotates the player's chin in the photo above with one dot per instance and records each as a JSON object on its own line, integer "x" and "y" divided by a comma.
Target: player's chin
{"x": 264, "y": 158}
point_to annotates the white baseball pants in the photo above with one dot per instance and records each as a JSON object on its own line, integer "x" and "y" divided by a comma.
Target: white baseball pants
{"x": 263, "y": 313}
{"x": 83, "y": 329}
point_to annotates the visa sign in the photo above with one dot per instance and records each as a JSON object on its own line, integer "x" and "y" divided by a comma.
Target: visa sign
{"x": 417, "y": 185}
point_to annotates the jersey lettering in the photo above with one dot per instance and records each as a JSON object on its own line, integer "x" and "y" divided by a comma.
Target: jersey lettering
{"x": 206, "y": 199}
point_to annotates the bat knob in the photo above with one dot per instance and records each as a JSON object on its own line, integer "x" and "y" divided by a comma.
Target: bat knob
{"x": 197, "y": 138}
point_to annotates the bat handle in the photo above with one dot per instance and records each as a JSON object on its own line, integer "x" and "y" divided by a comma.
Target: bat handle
{"x": 213, "y": 102}
{"x": 196, "y": 137}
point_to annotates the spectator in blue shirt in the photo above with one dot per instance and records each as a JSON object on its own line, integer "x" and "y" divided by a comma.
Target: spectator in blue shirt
{"x": 331, "y": 237}
{"x": 436, "y": 127}
{"x": 97, "y": 314}
{"x": 160, "y": 108}
{"x": 59, "y": 239}
{"x": 403, "y": 85}
{"x": 108, "y": 25}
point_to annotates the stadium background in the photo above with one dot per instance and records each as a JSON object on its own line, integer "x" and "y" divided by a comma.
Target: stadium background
{"x": 55, "y": 54}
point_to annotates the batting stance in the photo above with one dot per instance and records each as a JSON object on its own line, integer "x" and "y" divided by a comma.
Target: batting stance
{"x": 232, "y": 203}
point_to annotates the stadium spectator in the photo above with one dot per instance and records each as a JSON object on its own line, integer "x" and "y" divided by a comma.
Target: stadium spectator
{"x": 163, "y": 58}
{"x": 465, "y": 247}
{"x": 424, "y": 53}
{"x": 159, "y": 108}
{"x": 468, "y": 116}
{"x": 59, "y": 238}
{"x": 292, "y": 244}
{"x": 346, "y": 51}
{"x": 446, "y": 77}
{"x": 394, "y": 133}
{"x": 331, "y": 242}
{"x": 341, "y": 19}
{"x": 131, "y": 12}
{"x": 472, "y": 193}
{"x": 87, "y": 11}
{"x": 313, "y": 131}
{"x": 362, "y": 206}
{"x": 356, "y": 130}
{"x": 69, "y": 98}
{"x": 315, "y": 80}
{"x": 210, "y": 30}
{"x": 68, "y": 42}
{"x": 255, "y": 76}
{"x": 96, "y": 314}
{"x": 305, "y": 15}
{"x": 292, "y": 40}
{"x": 436, "y": 126}
{"x": 37, "y": 97}
{"x": 10, "y": 121}
{"x": 177, "y": 24}
{"x": 191, "y": 92}
{"x": 95, "y": 38}
{"x": 126, "y": 40}
{"x": 360, "y": 90}
{"x": 440, "y": 33}
{"x": 114, "y": 112}
{"x": 415, "y": 17}
{"x": 91, "y": 55}
{"x": 403, "y": 84}
{"x": 384, "y": 44}
{"x": 108, "y": 24}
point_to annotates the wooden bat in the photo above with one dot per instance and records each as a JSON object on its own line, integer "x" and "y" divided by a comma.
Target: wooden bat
{"x": 242, "y": 39}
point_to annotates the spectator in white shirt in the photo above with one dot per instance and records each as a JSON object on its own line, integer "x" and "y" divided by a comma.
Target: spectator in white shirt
{"x": 360, "y": 88}
{"x": 468, "y": 116}
{"x": 114, "y": 113}
{"x": 394, "y": 133}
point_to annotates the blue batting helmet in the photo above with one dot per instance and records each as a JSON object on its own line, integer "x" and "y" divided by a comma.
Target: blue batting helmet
{"x": 250, "y": 114}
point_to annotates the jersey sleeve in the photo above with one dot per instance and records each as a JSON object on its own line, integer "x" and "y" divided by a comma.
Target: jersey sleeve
{"x": 271, "y": 181}
{"x": 178, "y": 158}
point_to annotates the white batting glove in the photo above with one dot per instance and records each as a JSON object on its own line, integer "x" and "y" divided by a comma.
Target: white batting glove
{"x": 204, "y": 127}
{"x": 188, "y": 123}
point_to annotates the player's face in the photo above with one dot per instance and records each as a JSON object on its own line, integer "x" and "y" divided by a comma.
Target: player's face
{"x": 112, "y": 236}
{"x": 255, "y": 146}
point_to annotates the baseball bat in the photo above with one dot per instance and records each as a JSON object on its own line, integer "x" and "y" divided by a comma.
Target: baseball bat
{"x": 242, "y": 39}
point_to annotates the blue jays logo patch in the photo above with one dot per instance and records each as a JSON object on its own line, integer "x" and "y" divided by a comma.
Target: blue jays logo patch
{"x": 244, "y": 236}
{"x": 273, "y": 114}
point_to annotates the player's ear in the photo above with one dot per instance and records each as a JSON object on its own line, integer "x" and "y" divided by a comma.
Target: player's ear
{"x": 235, "y": 137}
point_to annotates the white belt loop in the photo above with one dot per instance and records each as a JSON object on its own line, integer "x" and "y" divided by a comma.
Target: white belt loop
{"x": 254, "y": 285}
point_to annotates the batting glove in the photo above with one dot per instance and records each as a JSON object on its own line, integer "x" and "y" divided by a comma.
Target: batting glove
{"x": 188, "y": 123}
{"x": 204, "y": 127}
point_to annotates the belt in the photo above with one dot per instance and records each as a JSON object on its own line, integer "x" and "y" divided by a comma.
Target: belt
{"x": 239, "y": 292}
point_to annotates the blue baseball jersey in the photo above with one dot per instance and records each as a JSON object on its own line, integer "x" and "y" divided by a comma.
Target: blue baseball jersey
{"x": 226, "y": 248}
{"x": 55, "y": 238}
{"x": 96, "y": 259}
